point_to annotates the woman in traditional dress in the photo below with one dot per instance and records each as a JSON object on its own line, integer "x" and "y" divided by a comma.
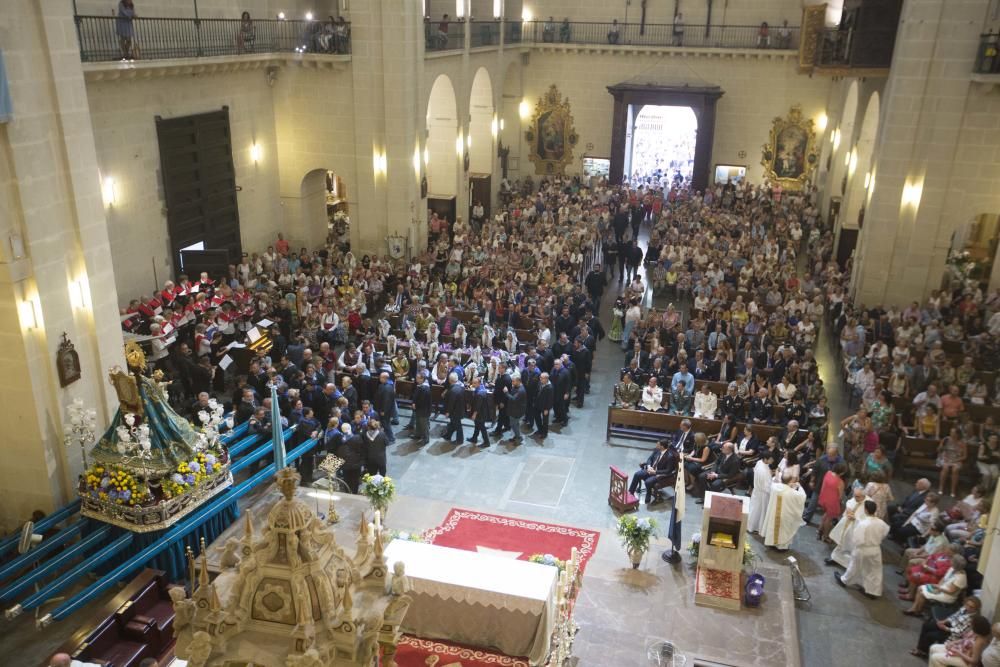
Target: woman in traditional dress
{"x": 615, "y": 333}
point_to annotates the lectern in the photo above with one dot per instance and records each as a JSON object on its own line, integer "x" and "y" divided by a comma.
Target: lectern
{"x": 720, "y": 554}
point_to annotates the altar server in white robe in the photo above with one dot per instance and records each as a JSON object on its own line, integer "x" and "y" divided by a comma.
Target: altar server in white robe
{"x": 843, "y": 533}
{"x": 783, "y": 518}
{"x": 865, "y": 567}
{"x": 761, "y": 491}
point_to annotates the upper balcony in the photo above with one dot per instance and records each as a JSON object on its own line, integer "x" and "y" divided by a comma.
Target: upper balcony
{"x": 113, "y": 39}
{"x": 861, "y": 44}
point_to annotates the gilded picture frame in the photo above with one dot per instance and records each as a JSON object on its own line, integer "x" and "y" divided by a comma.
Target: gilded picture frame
{"x": 551, "y": 136}
{"x": 789, "y": 157}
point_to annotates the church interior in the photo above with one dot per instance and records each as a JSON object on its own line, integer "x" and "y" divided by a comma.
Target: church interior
{"x": 499, "y": 332}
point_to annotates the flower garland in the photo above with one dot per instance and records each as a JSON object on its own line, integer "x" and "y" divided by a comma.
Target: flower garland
{"x": 115, "y": 484}
{"x": 190, "y": 474}
{"x": 548, "y": 559}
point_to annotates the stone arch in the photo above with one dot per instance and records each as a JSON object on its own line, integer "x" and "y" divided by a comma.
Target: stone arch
{"x": 859, "y": 178}
{"x": 481, "y": 123}
{"x": 442, "y": 138}
{"x": 314, "y": 215}
{"x": 835, "y": 185}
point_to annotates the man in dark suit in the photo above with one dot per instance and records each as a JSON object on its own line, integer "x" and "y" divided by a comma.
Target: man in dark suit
{"x": 583, "y": 359}
{"x": 385, "y": 405}
{"x": 352, "y": 451}
{"x": 561, "y": 385}
{"x": 421, "y": 409}
{"x": 564, "y": 322}
{"x": 596, "y": 282}
{"x": 517, "y": 404}
{"x": 454, "y": 407}
{"x": 723, "y": 370}
{"x": 684, "y": 442}
{"x": 375, "y": 443}
{"x": 480, "y": 411}
{"x": 531, "y": 379}
{"x": 307, "y": 428}
{"x": 726, "y": 470}
{"x": 898, "y": 514}
{"x": 544, "y": 357}
{"x": 501, "y": 391}
{"x": 246, "y": 408}
{"x": 661, "y": 465}
{"x": 562, "y": 346}
{"x": 543, "y": 405}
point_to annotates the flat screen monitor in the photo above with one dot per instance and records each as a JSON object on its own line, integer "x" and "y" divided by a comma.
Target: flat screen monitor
{"x": 729, "y": 172}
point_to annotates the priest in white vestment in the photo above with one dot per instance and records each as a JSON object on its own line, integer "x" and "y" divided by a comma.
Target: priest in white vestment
{"x": 761, "y": 490}
{"x": 865, "y": 567}
{"x": 783, "y": 518}
{"x": 843, "y": 533}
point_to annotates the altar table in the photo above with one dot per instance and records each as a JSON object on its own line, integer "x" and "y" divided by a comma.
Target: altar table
{"x": 478, "y": 599}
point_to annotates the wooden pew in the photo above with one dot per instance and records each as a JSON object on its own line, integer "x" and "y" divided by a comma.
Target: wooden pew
{"x": 920, "y": 453}
{"x": 653, "y": 426}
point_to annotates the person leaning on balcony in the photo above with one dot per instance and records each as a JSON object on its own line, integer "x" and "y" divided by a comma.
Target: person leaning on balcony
{"x": 125, "y": 27}
{"x": 549, "y": 30}
{"x": 442, "y": 36}
{"x": 613, "y": 33}
{"x": 247, "y": 33}
{"x": 342, "y": 36}
{"x": 678, "y": 29}
{"x": 564, "y": 31}
{"x": 325, "y": 39}
{"x": 764, "y": 36}
{"x": 784, "y": 35}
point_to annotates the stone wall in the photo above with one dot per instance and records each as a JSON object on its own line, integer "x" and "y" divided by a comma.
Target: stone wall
{"x": 757, "y": 88}
{"x": 123, "y": 113}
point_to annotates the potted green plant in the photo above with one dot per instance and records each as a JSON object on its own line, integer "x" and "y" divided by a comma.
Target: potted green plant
{"x": 635, "y": 534}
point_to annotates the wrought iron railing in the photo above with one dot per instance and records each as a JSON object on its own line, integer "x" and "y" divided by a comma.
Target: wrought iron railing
{"x": 512, "y": 32}
{"x": 833, "y": 47}
{"x": 484, "y": 33}
{"x": 663, "y": 34}
{"x": 116, "y": 38}
{"x": 987, "y": 60}
{"x": 444, "y": 35}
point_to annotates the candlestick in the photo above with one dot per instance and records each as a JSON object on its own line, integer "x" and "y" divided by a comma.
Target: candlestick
{"x": 371, "y": 532}
{"x": 378, "y": 520}
{"x": 574, "y": 557}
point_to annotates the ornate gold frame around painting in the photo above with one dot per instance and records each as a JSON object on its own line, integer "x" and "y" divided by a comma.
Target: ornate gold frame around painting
{"x": 789, "y": 157}
{"x": 551, "y": 135}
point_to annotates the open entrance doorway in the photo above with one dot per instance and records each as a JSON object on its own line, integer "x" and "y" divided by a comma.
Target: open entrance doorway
{"x": 661, "y": 143}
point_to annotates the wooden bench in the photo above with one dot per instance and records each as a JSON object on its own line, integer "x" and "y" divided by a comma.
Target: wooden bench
{"x": 654, "y": 426}
{"x": 921, "y": 454}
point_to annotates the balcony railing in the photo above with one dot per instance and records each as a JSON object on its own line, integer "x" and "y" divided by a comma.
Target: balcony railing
{"x": 987, "y": 60}
{"x": 484, "y": 33}
{"x": 115, "y": 38}
{"x": 662, "y": 34}
{"x": 833, "y": 47}
{"x": 444, "y": 35}
{"x": 512, "y": 32}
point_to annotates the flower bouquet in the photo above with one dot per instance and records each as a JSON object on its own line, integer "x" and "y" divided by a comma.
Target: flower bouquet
{"x": 406, "y": 536}
{"x": 379, "y": 490}
{"x": 548, "y": 559}
{"x": 635, "y": 535}
{"x": 115, "y": 485}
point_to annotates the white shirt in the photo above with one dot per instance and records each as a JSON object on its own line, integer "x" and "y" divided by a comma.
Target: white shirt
{"x": 652, "y": 397}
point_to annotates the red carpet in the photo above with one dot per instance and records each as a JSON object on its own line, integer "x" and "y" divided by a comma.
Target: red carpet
{"x": 413, "y": 652}
{"x": 520, "y": 538}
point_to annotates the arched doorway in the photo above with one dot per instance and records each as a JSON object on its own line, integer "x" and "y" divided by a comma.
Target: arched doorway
{"x": 631, "y": 96}
{"x": 483, "y": 126}
{"x": 859, "y": 166}
{"x": 443, "y": 148}
{"x": 325, "y": 214}
{"x": 662, "y": 142}
{"x": 843, "y": 138}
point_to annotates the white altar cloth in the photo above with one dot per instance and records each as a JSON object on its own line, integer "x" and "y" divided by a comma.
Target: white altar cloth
{"x": 478, "y": 599}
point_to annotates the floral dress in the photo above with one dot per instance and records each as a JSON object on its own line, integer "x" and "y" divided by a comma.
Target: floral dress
{"x": 616, "y": 332}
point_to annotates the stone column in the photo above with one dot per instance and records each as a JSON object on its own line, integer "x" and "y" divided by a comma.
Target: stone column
{"x": 387, "y": 67}
{"x": 927, "y": 112}
{"x": 55, "y": 268}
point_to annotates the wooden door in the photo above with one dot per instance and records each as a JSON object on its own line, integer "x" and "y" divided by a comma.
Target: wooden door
{"x": 199, "y": 184}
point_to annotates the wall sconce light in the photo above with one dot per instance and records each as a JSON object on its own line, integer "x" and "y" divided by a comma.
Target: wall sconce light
{"x": 524, "y": 109}
{"x": 501, "y": 124}
{"x": 497, "y": 8}
{"x": 109, "y": 191}
{"x": 836, "y": 139}
{"x": 255, "y": 152}
{"x": 852, "y": 161}
{"x": 427, "y": 156}
{"x": 309, "y": 16}
{"x": 468, "y": 140}
{"x": 31, "y": 316}
{"x": 821, "y": 122}
{"x": 912, "y": 193}
{"x": 459, "y": 145}
{"x": 380, "y": 162}
{"x": 281, "y": 16}
{"x": 495, "y": 127}
{"x": 79, "y": 293}
{"x": 459, "y": 8}
{"x": 868, "y": 179}
{"x": 526, "y": 14}
{"x": 416, "y": 160}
